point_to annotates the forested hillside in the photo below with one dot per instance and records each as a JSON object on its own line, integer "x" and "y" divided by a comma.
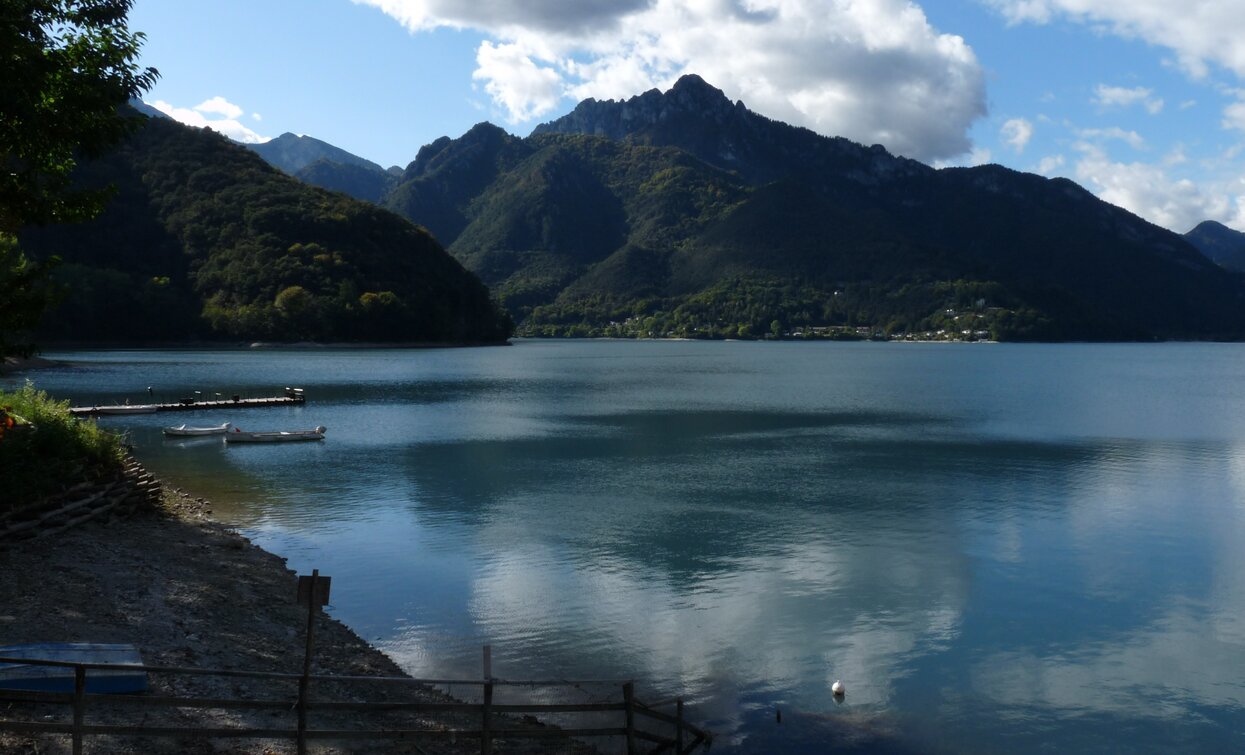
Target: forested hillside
{"x": 1220, "y": 243}
{"x": 680, "y": 213}
{"x": 205, "y": 240}
{"x": 683, "y": 214}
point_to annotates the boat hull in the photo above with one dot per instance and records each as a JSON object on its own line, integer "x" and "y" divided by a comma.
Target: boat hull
{"x": 17, "y": 675}
{"x": 182, "y": 431}
{"x": 287, "y": 436}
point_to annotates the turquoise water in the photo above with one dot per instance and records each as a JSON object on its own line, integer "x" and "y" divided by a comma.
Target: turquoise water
{"x": 996, "y": 547}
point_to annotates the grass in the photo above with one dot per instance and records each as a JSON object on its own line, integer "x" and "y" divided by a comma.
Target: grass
{"x": 52, "y": 452}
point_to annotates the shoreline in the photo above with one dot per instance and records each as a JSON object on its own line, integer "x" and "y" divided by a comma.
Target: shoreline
{"x": 191, "y": 592}
{"x": 19, "y": 364}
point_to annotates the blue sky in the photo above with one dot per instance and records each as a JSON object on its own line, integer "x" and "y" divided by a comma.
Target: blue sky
{"x": 1140, "y": 101}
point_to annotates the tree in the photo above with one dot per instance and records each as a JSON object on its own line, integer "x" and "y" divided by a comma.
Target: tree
{"x": 67, "y": 68}
{"x": 25, "y": 291}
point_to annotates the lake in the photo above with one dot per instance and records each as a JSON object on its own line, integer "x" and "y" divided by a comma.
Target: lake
{"x": 996, "y": 547}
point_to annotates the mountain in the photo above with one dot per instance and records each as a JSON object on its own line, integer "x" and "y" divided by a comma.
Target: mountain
{"x": 682, "y": 213}
{"x": 361, "y": 182}
{"x": 1220, "y": 243}
{"x": 203, "y": 239}
{"x": 321, "y": 164}
{"x": 145, "y": 109}
{"x": 293, "y": 152}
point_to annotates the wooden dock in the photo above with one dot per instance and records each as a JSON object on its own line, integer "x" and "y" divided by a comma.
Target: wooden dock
{"x": 291, "y": 398}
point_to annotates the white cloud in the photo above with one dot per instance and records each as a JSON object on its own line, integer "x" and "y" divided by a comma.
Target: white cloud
{"x": 256, "y": 117}
{"x": 1050, "y": 164}
{"x": 516, "y": 82}
{"x": 198, "y": 116}
{"x": 1199, "y": 32}
{"x": 556, "y": 16}
{"x": 1176, "y": 156}
{"x": 1131, "y": 138}
{"x": 870, "y": 70}
{"x": 1150, "y": 191}
{"x": 219, "y": 106}
{"x": 1108, "y": 96}
{"x": 1234, "y": 116}
{"x": 1017, "y": 132}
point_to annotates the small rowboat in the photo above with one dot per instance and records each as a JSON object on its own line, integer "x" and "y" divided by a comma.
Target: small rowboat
{"x": 283, "y": 436}
{"x": 126, "y": 409}
{"x": 187, "y": 430}
{"x": 20, "y": 672}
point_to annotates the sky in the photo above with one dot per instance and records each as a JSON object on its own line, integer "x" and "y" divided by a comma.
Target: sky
{"x": 1142, "y": 102}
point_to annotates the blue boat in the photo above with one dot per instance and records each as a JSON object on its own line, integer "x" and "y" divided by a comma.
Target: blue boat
{"x": 17, "y": 672}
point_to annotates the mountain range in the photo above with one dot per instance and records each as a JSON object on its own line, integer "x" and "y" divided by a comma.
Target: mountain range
{"x": 676, "y": 213}
{"x": 683, "y": 213}
{"x": 1220, "y": 243}
{"x": 205, "y": 240}
{"x": 321, "y": 164}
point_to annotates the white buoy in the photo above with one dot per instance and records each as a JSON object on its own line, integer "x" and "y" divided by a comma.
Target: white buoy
{"x": 838, "y": 689}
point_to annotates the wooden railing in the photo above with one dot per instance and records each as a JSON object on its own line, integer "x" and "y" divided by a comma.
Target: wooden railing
{"x": 660, "y": 731}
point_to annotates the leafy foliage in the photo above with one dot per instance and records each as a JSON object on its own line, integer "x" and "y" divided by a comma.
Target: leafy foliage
{"x": 25, "y": 291}
{"x": 759, "y": 307}
{"x": 49, "y": 447}
{"x": 205, "y": 239}
{"x": 1220, "y": 243}
{"x": 712, "y": 219}
{"x": 66, "y": 68}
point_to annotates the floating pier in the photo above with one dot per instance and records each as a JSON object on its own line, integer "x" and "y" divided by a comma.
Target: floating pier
{"x": 292, "y": 397}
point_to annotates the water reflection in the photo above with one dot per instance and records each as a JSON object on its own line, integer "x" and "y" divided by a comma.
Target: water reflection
{"x": 991, "y": 545}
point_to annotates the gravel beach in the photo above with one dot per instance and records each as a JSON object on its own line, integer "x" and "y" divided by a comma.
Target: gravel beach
{"x": 189, "y": 592}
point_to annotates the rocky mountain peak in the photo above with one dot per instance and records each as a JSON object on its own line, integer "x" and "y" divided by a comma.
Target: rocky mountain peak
{"x": 691, "y": 97}
{"x": 695, "y": 94}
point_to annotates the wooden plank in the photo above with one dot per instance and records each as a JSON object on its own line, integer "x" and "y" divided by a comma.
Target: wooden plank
{"x": 468, "y": 707}
{"x": 35, "y": 696}
{"x": 193, "y": 702}
{"x": 246, "y": 403}
{"x": 41, "y": 727}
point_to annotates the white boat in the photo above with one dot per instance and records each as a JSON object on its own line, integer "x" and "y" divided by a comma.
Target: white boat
{"x": 126, "y": 409}
{"x": 187, "y": 430}
{"x": 282, "y": 436}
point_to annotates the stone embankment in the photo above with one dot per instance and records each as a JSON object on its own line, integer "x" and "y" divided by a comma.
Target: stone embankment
{"x": 119, "y": 497}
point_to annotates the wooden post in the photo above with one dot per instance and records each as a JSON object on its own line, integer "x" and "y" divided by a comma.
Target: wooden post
{"x": 79, "y": 707}
{"x": 486, "y": 735}
{"x": 678, "y": 727}
{"x": 304, "y": 684}
{"x": 629, "y": 708}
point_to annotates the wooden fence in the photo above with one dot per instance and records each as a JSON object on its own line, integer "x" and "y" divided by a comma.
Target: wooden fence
{"x": 659, "y": 731}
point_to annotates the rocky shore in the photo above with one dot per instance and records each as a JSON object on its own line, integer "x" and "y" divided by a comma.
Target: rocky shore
{"x": 189, "y": 592}
{"x": 15, "y": 364}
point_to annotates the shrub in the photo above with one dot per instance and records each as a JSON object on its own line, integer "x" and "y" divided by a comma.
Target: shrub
{"x": 53, "y": 452}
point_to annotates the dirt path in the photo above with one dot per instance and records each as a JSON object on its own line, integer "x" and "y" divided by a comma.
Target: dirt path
{"x": 189, "y": 592}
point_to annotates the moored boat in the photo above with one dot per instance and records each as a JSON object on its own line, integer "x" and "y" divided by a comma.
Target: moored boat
{"x": 280, "y": 436}
{"x": 184, "y": 430}
{"x": 20, "y": 673}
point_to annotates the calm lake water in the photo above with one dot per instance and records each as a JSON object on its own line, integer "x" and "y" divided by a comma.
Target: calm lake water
{"x": 998, "y": 548}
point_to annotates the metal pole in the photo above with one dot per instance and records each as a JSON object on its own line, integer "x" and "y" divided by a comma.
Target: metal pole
{"x": 79, "y": 707}
{"x": 304, "y": 683}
